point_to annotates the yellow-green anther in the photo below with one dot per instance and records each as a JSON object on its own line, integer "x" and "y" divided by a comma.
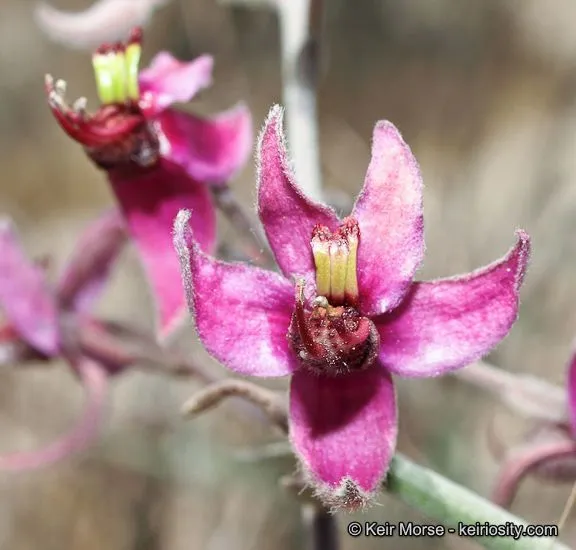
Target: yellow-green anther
{"x": 321, "y": 253}
{"x": 118, "y": 64}
{"x": 338, "y": 269}
{"x": 131, "y": 61}
{"x": 335, "y": 256}
{"x": 351, "y": 289}
{"x": 103, "y": 71}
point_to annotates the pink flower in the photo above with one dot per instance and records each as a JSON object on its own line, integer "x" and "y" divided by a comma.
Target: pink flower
{"x": 345, "y": 314}
{"x": 158, "y": 159}
{"x": 34, "y": 310}
{"x": 36, "y": 316}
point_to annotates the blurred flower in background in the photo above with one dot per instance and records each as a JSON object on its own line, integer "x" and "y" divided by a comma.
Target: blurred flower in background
{"x": 158, "y": 159}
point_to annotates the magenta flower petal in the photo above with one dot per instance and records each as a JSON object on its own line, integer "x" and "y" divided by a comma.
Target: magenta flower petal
{"x": 210, "y": 149}
{"x": 572, "y": 392}
{"x": 88, "y": 269}
{"x": 168, "y": 80}
{"x": 242, "y": 313}
{"x": 446, "y": 324}
{"x": 79, "y": 438}
{"x": 287, "y": 214}
{"x": 344, "y": 430}
{"x": 25, "y": 296}
{"x": 150, "y": 201}
{"x": 389, "y": 212}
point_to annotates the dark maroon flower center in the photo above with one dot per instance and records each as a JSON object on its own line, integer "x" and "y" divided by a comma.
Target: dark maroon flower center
{"x": 118, "y": 133}
{"x": 330, "y": 336}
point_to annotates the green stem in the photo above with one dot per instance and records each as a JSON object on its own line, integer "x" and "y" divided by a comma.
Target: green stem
{"x": 450, "y": 504}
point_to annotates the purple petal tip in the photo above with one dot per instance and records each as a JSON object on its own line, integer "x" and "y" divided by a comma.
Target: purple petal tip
{"x": 182, "y": 242}
{"x": 522, "y": 250}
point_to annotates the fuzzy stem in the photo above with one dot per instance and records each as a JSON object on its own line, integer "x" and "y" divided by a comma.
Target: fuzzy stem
{"x": 449, "y": 503}
{"x": 272, "y": 403}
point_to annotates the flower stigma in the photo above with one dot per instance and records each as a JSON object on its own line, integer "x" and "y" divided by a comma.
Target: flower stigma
{"x": 331, "y": 336}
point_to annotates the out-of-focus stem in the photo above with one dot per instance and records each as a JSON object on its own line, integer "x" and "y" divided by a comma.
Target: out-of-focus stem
{"x": 299, "y": 50}
{"x": 323, "y": 527}
{"x": 301, "y": 29}
{"x": 523, "y": 393}
{"x": 253, "y": 243}
{"x": 123, "y": 347}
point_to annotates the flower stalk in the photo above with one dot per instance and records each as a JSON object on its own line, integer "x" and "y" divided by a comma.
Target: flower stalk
{"x": 450, "y": 504}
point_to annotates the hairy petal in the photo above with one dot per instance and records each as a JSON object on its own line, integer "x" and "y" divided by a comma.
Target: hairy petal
{"x": 287, "y": 214}
{"x": 88, "y": 269}
{"x": 389, "y": 212}
{"x": 344, "y": 430}
{"x": 103, "y": 21}
{"x": 25, "y": 297}
{"x": 242, "y": 313}
{"x": 168, "y": 80}
{"x": 150, "y": 201}
{"x": 95, "y": 381}
{"x": 211, "y": 150}
{"x": 446, "y": 324}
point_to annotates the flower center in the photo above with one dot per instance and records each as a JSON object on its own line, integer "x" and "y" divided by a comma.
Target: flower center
{"x": 331, "y": 336}
{"x": 117, "y": 134}
{"x": 116, "y": 71}
{"x": 335, "y": 258}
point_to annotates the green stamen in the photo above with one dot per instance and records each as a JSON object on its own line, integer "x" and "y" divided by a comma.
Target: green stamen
{"x": 103, "y": 70}
{"x": 116, "y": 74}
{"x": 338, "y": 268}
{"x": 321, "y": 253}
{"x": 335, "y": 256}
{"x": 118, "y": 66}
{"x": 351, "y": 288}
{"x": 131, "y": 62}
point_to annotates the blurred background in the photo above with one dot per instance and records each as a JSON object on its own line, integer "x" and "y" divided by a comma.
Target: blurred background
{"x": 484, "y": 91}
